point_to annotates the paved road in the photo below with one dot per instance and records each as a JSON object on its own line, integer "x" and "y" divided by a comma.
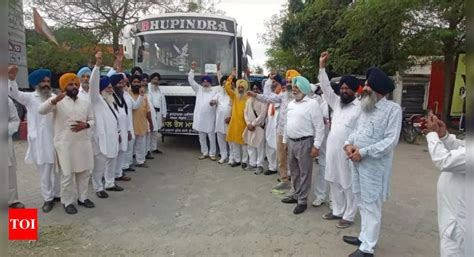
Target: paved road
{"x": 184, "y": 207}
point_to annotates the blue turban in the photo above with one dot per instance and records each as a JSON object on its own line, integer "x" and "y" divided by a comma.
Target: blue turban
{"x": 104, "y": 82}
{"x": 303, "y": 84}
{"x": 37, "y": 76}
{"x": 207, "y": 78}
{"x": 279, "y": 79}
{"x": 84, "y": 70}
{"x": 351, "y": 81}
{"x": 379, "y": 81}
{"x": 115, "y": 79}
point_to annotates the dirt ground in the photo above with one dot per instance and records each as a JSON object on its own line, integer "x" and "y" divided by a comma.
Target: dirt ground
{"x": 181, "y": 206}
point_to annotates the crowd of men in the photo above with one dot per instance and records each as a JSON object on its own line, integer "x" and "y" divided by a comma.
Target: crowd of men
{"x": 101, "y": 127}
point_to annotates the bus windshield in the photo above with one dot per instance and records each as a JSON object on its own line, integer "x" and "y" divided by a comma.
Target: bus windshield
{"x": 171, "y": 54}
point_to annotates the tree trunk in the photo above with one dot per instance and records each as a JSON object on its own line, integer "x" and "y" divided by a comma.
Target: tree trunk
{"x": 115, "y": 40}
{"x": 448, "y": 85}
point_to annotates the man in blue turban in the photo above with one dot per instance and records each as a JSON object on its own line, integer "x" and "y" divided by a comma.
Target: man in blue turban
{"x": 303, "y": 134}
{"x": 204, "y": 118}
{"x": 370, "y": 148}
{"x": 84, "y": 75}
{"x": 40, "y": 132}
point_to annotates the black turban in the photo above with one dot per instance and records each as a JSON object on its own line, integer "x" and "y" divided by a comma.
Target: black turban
{"x": 379, "y": 81}
{"x": 351, "y": 81}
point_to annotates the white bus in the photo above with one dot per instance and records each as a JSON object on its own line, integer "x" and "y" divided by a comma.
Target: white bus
{"x": 168, "y": 43}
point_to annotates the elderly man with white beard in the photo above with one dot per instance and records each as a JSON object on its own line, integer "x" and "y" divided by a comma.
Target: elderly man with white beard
{"x": 84, "y": 75}
{"x": 40, "y": 132}
{"x": 106, "y": 131}
{"x": 204, "y": 118}
{"x": 370, "y": 148}
{"x": 346, "y": 111}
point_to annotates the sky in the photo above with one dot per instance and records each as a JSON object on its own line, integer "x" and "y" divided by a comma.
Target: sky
{"x": 251, "y": 15}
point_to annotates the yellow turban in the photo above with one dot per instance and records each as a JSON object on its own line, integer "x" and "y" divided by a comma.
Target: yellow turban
{"x": 242, "y": 82}
{"x": 290, "y": 74}
{"x": 66, "y": 79}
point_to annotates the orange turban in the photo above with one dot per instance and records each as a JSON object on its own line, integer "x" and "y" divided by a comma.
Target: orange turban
{"x": 66, "y": 79}
{"x": 290, "y": 74}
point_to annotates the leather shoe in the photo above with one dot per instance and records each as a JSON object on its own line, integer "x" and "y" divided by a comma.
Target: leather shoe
{"x": 289, "y": 199}
{"x": 157, "y": 151}
{"x": 269, "y": 172}
{"x": 330, "y": 216}
{"x": 353, "y": 240}
{"x": 235, "y": 164}
{"x": 47, "y": 206}
{"x": 300, "y": 208}
{"x": 87, "y": 203}
{"x": 115, "y": 188}
{"x": 70, "y": 209}
{"x": 102, "y": 194}
{"x": 129, "y": 169}
{"x": 143, "y": 165}
{"x": 359, "y": 253}
{"x": 244, "y": 165}
{"x": 149, "y": 157}
{"x": 123, "y": 178}
{"x": 16, "y": 205}
{"x": 57, "y": 199}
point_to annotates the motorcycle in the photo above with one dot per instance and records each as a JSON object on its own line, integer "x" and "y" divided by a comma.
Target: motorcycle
{"x": 412, "y": 127}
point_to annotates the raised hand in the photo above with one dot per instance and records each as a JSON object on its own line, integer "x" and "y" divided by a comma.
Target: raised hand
{"x": 194, "y": 65}
{"x": 98, "y": 58}
{"x": 12, "y": 71}
{"x": 58, "y": 98}
{"x": 323, "y": 59}
{"x": 251, "y": 94}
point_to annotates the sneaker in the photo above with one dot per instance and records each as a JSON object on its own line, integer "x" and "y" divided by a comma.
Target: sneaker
{"x": 259, "y": 171}
{"x": 204, "y": 156}
{"x": 318, "y": 202}
{"x": 222, "y": 161}
{"x": 213, "y": 158}
{"x": 282, "y": 185}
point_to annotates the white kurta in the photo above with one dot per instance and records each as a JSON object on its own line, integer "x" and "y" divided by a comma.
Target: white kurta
{"x": 123, "y": 123}
{"x": 344, "y": 120}
{"x": 270, "y": 126}
{"x": 158, "y": 101}
{"x": 204, "y": 118}
{"x": 83, "y": 94}
{"x": 40, "y": 127}
{"x": 106, "y": 125}
{"x": 223, "y": 111}
{"x": 13, "y": 124}
{"x": 132, "y": 105}
{"x": 152, "y": 110}
{"x": 73, "y": 149}
{"x": 449, "y": 156}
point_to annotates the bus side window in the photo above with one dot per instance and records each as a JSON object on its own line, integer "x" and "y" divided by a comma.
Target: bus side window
{"x": 140, "y": 54}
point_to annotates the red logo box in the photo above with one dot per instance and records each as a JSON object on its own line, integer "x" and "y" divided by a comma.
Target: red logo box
{"x": 23, "y": 224}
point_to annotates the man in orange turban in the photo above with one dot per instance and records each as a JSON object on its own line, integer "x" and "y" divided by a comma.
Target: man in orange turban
{"x": 72, "y": 120}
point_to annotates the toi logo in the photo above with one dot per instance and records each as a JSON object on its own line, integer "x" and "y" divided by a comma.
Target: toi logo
{"x": 23, "y": 224}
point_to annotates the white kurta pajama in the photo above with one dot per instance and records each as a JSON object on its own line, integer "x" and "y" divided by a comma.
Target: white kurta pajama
{"x": 152, "y": 136}
{"x": 204, "y": 117}
{"x": 73, "y": 149}
{"x": 40, "y": 149}
{"x": 158, "y": 103}
{"x": 13, "y": 124}
{"x": 338, "y": 171}
{"x": 106, "y": 136}
{"x": 376, "y": 135}
{"x": 449, "y": 156}
{"x": 131, "y": 105}
{"x": 223, "y": 111}
{"x": 124, "y": 127}
{"x": 270, "y": 137}
{"x": 321, "y": 184}
{"x": 255, "y": 113}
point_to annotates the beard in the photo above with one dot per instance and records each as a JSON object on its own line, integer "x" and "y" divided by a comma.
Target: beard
{"x": 207, "y": 88}
{"x": 347, "y": 99}
{"x": 135, "y": 89}
{"x": 241, "y": 94}
{"x": 298, "y": 97}
{"x": 72, "y": 93}
{"x": 45, "y": 93}
{"x": 108, "y": 97}
{"x": 85, "y": 86}
{"x": 368, "y": 101}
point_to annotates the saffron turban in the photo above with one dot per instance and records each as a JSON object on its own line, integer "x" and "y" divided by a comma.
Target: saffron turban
{"x": 37, "y": 76}
{"x": 290, "y": 74}
{"x": 67, "y": 78}
{"x": 303, "y": 84}
{"x": 379, "y": 81}
{"x": 242, "y": 82}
